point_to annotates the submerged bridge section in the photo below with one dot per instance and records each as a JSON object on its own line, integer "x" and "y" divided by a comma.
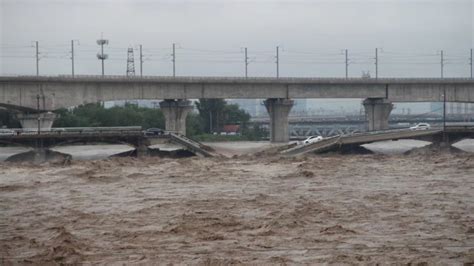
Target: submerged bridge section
{"x": 133, "y": 137}
{"x": 192, "y": 146}
{"x": 34, "y": 94}
{"x": 452, "y": 134}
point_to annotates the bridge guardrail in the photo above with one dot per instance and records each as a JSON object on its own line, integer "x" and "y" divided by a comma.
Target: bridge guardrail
{"x": 238, "y": 79}
{"x": 304, "y": 148}
{"x": 345, "y": 139}
{"x": 190, "y": 144}
{"x": 53, "y": 132}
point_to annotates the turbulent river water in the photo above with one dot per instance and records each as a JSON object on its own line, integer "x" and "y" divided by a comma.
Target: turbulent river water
{"x": 93, "y": 152}
{"x": 259, "y": 208}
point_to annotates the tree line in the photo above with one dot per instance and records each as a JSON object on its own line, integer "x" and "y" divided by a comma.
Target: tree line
{"x": 211, "y": 117}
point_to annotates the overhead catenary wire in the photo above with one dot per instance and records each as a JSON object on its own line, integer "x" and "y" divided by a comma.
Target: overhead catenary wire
{"x": 196, "y": 55}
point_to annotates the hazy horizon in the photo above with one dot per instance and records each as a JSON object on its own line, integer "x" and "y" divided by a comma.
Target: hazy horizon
{"x": 210, "y": 36}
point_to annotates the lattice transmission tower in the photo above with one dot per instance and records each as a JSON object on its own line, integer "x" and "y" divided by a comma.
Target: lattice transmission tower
{"x": 130, "y": 63}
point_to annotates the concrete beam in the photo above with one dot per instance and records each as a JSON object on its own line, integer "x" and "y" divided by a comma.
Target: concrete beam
{"x": 175, "y": 112}
{"x": 58, "y": 92}
{"x": 377, "y": 111}
{"x": 278, "y": 110}
{"x": 30, "y": 121}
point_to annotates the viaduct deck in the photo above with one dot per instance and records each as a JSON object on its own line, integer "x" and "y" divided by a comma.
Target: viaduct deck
{"x": 137, "y": 139}
{"x": 63, "y": 91}
{"x": 368, "y": 137}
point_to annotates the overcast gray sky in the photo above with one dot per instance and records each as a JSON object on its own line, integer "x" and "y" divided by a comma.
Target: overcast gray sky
{"x": 210, "y": 36}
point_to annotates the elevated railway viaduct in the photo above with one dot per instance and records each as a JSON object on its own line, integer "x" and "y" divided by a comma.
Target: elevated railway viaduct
{"x": 43, "y": 94}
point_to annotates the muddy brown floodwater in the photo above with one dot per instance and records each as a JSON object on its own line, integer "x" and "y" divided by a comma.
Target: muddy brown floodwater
{"x": 338, "y": 209}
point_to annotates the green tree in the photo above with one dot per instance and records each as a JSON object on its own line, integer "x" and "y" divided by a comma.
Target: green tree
{"x": 234, "y": 115}
{"x": 8, "y": 119}
{"x": 194, "y": 125}
{"x": 210, "y": 111}
{"x": 215, "y": 113}
{"x": 95, "y": 115}
{"x": 153, "y": 118}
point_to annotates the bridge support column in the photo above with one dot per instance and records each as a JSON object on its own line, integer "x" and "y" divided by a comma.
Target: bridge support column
{"x": 377, "y": 111}
{"x": 30, "y": 121}
{"x": 278, "y": 109}
{"x": 175, "y": 112}
{"x": 142, "y": 150}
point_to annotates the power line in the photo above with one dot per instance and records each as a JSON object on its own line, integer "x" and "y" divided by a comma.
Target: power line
{"x": 174, "y": 59}
{"x": 246, "y": 62}
{"x": 141, "y": 61}
{"x": 293, "y": 57}
{"x": 17, "y": 56}
{"x": 376, "y": 63}
{"x": 211, "y": 51}
{"x": 442, "y": 63}
{"x": 347, "y": 63}
{"x": 471, "y": 62}
{"x": 37, "y": 58}
{"x": 277, "y": 62}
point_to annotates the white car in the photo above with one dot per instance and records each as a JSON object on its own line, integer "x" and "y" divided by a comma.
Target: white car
{"x": 312, "y": 139}
{"x": 421, "y": 126}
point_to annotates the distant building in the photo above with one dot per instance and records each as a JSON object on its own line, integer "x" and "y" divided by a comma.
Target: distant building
{"x": 230, "y": 130}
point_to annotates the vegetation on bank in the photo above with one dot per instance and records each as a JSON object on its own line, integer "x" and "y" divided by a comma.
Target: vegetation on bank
{"x": 8, "y": 119}
{"x": 205, "y": 125}
{"x": 96, "y": 115}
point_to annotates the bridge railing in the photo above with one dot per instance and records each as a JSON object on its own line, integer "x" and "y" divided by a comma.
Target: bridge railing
{"x": 73, "y": 131}
{"x": 234, "y": 79}
{"x": 389, "y": 131}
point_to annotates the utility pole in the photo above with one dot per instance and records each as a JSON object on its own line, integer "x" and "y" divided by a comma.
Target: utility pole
{"x": 101, "y": 56}
{"x": 141, "y": 61}
{"x": 174, "y": 59}
{"x": 246, "y": 63}
{"x": 278, "y": 61}
{"x": 444, "y": 115}
{"x": 210, "y": 121}
{"x": 376, "y": 63}
{"x": 470, "y": 62}
{"x": 442, "y": 64}
{"x": 38, "y": 113}
{"x": 347, "y": 64}
{"x": 37, "y": 59}
{"x": 72, "y": 58}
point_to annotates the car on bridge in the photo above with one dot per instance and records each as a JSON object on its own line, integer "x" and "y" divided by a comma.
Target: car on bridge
{"x": 421, "y": 126}
{"x": 154, "y": 132}
{"x": 312, "y": 139}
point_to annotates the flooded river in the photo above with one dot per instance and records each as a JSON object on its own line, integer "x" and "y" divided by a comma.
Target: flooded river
{"x": 228, "y": 149}
{"x": 248, "y": 209}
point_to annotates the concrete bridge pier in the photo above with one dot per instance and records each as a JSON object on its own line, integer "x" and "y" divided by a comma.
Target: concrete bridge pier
{"x": 142, "y": 150}
{"x": 30, "y": 121}
{"x": 175, "y": 112}
{"x": 377, "y": 111}
{"x": 278, "y": 110}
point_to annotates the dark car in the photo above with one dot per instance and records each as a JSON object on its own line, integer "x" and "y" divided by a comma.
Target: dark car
{"x": 154, "y": 132}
